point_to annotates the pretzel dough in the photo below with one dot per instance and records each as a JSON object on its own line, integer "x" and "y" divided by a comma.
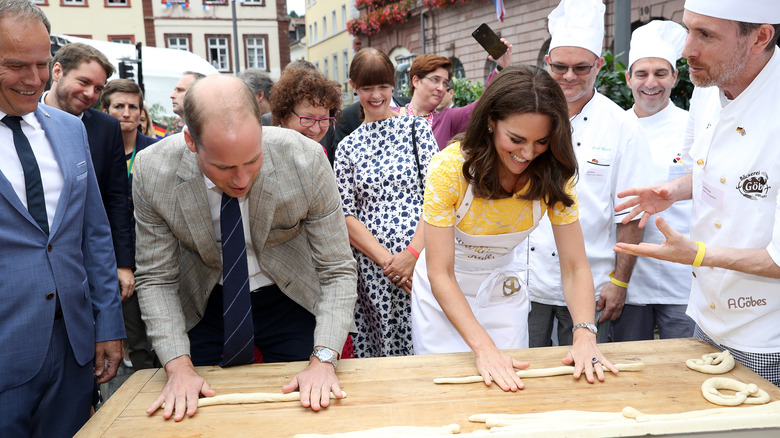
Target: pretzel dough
{"x": 387, "y": 432}
{"x": 629, "y": 422}
{"x": 747, "y": 393}
{"x": 249, "y": 398}
{"x": 539, "y": 372}
{"x": 713, "y": 363}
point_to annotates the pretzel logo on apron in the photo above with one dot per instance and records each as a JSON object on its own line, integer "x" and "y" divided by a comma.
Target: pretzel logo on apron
{"x": 511, "y": 285}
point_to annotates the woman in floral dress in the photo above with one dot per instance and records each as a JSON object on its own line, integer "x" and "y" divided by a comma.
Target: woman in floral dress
{"x": 381, "y": 169}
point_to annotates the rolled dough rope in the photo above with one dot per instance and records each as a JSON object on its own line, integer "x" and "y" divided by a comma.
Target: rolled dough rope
{"x": 539, "y": 372}
{"x": 769, "y": 408}
{"x": 713, "y": 363}
{"x": 747, "y": 393}
{"x": 389, "y": 432}
{"x": 250, "y": 398}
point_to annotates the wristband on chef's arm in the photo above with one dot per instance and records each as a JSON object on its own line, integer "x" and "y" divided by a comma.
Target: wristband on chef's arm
{"x": 615, "y": 281}
{"x": 699, "y": 254}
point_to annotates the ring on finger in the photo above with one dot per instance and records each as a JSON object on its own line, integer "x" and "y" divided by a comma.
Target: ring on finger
{"x": 397, "y": 277}
{"x": 595, "y": 360}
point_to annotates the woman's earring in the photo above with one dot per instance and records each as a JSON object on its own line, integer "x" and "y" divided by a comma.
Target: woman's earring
{"x": 490, "y": 129}
{"x": 354, "y": 93}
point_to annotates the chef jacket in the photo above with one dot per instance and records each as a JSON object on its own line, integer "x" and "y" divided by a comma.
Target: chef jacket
{"x": 656, "y": 281}
{"x": 611, "y": 149}
{"x": 735, "y": 158}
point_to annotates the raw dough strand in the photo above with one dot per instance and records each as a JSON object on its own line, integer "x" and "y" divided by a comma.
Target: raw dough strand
{"x": 251, "y": 398}
{"x": 539, "y": 372}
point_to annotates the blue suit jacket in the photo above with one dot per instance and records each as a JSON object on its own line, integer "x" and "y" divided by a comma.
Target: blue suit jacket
{"x": 76, "y": 260}
{"x": 108, "y": 157}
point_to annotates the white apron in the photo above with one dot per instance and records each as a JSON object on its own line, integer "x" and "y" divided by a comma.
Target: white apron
{"x": 490, "y": 275}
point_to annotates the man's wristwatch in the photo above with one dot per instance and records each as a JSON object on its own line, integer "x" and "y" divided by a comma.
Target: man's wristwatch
{"x": 590, "y": 326}
{"x": 325, "y": 355}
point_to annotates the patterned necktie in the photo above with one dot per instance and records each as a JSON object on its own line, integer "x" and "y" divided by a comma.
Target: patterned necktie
{"x": 236, "y": 305}
{"x": 36, "y": 203}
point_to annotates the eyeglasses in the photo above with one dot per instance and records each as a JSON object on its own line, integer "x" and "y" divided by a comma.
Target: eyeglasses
{"x": 579, "y": 70}
{"x": 308, "y": 122}
{"x": 436, "y": 80}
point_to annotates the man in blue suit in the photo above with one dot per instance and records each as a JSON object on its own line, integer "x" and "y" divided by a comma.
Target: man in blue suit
{"x": 60, "y": 314}
{"x": 79, "y": 73}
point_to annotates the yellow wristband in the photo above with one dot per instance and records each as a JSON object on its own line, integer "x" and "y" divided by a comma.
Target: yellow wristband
{"x": 614, "y": 280}
{"x": 699, "y": 254}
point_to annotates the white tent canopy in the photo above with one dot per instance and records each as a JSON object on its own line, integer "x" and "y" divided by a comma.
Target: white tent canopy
{"x": 162, "y": 68}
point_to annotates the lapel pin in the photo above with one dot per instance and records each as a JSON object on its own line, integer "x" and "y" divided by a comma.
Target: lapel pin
{"x": 741, "y": 131}
{"x": 46, "y": 114}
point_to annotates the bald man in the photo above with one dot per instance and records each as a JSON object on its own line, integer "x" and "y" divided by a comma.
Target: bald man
{"x": 225, "y": 208}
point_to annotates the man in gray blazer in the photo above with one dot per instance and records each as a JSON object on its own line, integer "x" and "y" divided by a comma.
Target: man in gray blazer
{"x": 297, "y": 255}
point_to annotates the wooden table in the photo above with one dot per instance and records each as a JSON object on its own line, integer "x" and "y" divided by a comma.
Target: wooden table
{"x": 399, "y": 391}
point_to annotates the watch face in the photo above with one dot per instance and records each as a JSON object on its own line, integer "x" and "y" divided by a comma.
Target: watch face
{"x": 325, "y": 355}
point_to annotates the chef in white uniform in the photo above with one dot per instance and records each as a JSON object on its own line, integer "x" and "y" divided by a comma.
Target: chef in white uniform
{"x": 734, "y": 156}
{"x": 659, "y": 290}
{"x": 611, "y": 150}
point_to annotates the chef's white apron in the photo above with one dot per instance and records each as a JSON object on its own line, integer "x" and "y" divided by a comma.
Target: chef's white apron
{"x": 490, "y": 275}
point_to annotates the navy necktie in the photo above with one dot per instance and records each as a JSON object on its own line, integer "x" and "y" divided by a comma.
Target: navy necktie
{"x": 36, "y": 203}
{"x": 236, "y": 304}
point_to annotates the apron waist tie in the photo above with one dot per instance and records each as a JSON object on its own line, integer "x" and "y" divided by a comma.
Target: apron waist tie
{"x": 498, "y": 274}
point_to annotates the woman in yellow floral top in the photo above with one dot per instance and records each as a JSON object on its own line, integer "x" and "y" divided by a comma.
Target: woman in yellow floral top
{"x": 484, "y": 195}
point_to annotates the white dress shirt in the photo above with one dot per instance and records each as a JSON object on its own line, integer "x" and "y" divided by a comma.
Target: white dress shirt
{"x": 11, "y": 167}
{"x": 257, "y": 278}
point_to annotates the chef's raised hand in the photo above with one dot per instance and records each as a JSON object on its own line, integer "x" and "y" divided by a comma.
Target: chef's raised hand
{"x": 315, "y": 383}
{"x": 496, "y": 366}
{"x": 654, "y": 199}
{"x": 581, "y": 355}
{"x": 676, "y": 248}
{"x": 180, "y": 394}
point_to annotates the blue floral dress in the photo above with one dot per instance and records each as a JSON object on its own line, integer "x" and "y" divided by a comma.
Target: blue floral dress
{"x": 380, "y": 186}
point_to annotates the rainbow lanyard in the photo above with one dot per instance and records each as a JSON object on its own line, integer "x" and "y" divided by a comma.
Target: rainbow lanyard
{"x": 130, "y": 166}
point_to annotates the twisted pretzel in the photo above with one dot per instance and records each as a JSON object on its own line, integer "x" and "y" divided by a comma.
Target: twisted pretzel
{"x": 713, "y": 363}
{"x": 747, "y": 393}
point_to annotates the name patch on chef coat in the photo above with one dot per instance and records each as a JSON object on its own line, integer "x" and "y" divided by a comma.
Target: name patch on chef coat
{"x": 754, "y": 185}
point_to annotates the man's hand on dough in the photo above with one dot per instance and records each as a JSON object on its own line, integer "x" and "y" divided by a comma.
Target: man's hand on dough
{"x": 315, "y": 384}
{"x": 182, "y": 391}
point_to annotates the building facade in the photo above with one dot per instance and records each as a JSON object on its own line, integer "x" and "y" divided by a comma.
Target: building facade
{"x": 329, "y": 43}
{"x": 120, "y": 21}
{"x": 205, "y": 27}
{"x": 448, "y": 30}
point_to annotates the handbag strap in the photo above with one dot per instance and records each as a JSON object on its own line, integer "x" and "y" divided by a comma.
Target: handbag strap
{"x": 417, "y": 157}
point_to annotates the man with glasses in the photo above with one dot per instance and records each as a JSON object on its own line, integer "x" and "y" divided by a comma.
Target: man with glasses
{"x": 610, "y": 149}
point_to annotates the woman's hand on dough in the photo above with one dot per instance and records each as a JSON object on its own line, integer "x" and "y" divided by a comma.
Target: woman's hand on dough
{"x": 581, "y": 355}
{"x": 497, "y": 366}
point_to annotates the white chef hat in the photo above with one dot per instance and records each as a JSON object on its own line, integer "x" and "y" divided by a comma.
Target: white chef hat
{"x": 578, "y": 23}
{"x": 749, "y": 11}
{"x": 657, "y": 39}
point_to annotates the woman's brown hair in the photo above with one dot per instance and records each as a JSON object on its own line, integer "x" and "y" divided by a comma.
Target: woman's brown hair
{"x": 371, "y": 67}
{"x": 521, "y": 90}
{"x": 298, "y": 85}
{"x": 425, "y": 64}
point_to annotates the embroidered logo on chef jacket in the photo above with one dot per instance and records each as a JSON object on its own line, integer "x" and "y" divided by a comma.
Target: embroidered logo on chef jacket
{"x": 745, "y": 302}
{"x": 754, "y": 185}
